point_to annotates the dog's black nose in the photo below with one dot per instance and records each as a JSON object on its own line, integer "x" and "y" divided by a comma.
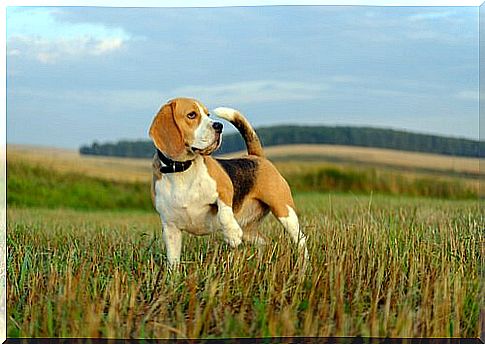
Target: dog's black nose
{"x": 217, "y": 126}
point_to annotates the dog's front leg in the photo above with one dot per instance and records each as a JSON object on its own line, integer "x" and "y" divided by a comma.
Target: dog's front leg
{"x": 172, "y": 236}
{"x": 231, "y": 229}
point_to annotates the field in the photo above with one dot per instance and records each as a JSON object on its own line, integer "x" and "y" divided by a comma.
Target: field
{"x": 382, "y": 264}
{"x": 127, "y": 169}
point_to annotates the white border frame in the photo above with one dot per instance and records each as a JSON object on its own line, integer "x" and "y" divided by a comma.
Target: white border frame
{"x": 146, "y": 3}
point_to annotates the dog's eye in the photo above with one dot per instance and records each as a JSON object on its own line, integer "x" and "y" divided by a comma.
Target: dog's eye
{"x": 191, "y": 115}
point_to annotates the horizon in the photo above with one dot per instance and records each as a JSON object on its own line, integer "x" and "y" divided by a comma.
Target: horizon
{"x": 85, "y": 74}
{"x": 235, "y": 132}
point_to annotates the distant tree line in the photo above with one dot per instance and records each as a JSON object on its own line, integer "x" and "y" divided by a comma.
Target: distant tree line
{"x": 124, "y": 148}
{"x": 349, "y": 136}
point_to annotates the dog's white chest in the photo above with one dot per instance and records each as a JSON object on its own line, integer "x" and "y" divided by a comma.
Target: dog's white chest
{"x": 185, "y": 199}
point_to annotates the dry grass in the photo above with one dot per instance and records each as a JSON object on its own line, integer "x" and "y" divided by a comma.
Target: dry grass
{"x": 127, "y": 169}
{"x": 379, "y": 156}
{"x": 65, "y": 160}
{"x": 302, "y": 159}
{"x": 380, "y": 266}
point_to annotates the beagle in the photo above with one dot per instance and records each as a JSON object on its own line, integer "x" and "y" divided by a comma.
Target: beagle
{"x": 198, "y": 194}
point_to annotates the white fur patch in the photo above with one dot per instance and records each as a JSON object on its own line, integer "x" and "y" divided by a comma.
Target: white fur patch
{"x": 226, "y": 113}
{"x": 230, "y": 228}
{"x": 183, "y": 199}
{"x": 172, "y": 236}
{"x": 292, "y": 227}
{"x": 204, "y": 135}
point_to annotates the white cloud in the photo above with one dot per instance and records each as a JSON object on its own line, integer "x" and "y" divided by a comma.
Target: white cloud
{"x": 468, "y": 95}
{"x": 222, "y": 94}
{"x": 50, "y": 51}
{"x": 345, "y": 79}
{"x": 105, "y": 46}
{"x": 431, "y": 15}
{"x": 254, "y": 91}
{"x": 118, "y": 99}
{"x": 39, "y": 34}
{"x": 47, "y": 23}
{"x": 14, "y": 52}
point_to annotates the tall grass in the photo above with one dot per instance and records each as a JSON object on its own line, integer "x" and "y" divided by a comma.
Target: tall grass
{"x": 337, "y": 179}
{"x": 380, "y": 266}
{"x": 30, "y": 185}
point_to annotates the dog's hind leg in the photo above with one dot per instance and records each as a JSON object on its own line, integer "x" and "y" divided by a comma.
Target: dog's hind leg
{"x": 290, "y": 222}
{"x": 275, "y": 193}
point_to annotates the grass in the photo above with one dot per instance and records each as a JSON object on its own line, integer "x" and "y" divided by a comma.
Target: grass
{"x": 380, "y": 266}
{"x": 71, "y": 162}
{"x": 373, "y": 156}
{"x": 30, "y": 185}
{"x": 139, "y": 170}
{"x": 33, "y": 185}
{"x": 85, "y": 256}
{"x": 371, "y": 180}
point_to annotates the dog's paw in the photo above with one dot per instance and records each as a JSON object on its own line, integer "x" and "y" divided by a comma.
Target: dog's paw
{"x": 234, "y": 237}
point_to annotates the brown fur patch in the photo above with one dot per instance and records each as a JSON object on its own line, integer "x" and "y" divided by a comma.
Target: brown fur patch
{"x": 166, "y": 133}
{"x": 171, "y": 130}
{"x": 182, "y": 107}
{"x": 224, "y": 185}
{"x": 249, "y": 135}
{"x": 156, "y": 175}
{"x": 272, "y": 189}
{"x": 268, "y": 190}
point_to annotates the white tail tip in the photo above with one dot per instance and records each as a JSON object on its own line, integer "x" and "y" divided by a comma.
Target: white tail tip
{"x": 225, "y": 113}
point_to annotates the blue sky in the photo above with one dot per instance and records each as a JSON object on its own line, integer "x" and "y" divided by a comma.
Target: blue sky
{"x": 75, "y": 75}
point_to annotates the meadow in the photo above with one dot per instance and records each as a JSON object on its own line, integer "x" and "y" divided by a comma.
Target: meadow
{"x": 83, "y": 264}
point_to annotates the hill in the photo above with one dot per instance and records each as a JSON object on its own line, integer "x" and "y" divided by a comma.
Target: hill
{"x": 288, "y": 159}
{"x": 324, "y": 168}
{"x": 70, "y": 161}
{"x": 348, "y": 136}
{"x": 381, "y": 158}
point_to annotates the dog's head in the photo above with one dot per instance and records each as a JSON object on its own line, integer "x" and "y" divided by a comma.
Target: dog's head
{"x": 182, "y": 128}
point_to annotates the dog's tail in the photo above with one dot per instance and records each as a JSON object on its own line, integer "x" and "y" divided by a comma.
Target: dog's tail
{"x": 241, "y": 123}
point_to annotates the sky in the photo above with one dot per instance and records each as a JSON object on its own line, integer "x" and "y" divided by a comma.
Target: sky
{"x": 81, "y": 74}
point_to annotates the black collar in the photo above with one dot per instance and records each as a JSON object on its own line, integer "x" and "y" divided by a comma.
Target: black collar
{"x": 172, "y": 166}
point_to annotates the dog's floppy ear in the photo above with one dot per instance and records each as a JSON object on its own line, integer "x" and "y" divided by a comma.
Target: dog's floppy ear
{"x": 165, "y": 132}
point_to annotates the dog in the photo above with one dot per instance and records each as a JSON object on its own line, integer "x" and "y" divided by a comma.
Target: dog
{"x": 195, "y": 193}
